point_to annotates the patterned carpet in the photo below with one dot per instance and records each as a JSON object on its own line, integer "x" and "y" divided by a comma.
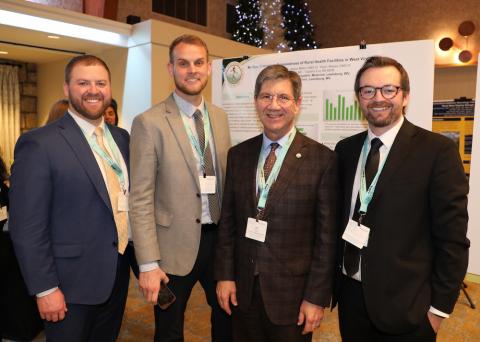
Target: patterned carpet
{"x": 463, "y": 325}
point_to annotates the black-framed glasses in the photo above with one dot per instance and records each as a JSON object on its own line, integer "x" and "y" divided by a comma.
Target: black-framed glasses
{"x": 282, "y": 99}
{"x": 388, "y": 91}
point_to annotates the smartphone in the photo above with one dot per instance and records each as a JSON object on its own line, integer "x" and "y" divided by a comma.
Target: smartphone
{"x": 165, "y": 297}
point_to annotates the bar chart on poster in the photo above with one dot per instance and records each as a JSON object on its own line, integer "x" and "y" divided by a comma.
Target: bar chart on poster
{"x": 329, "y": 108}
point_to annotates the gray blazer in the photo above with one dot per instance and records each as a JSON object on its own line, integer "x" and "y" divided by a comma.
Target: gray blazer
{"x": 165, "y": 202}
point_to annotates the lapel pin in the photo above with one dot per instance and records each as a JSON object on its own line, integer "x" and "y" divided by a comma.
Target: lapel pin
{"x": 298, "y": 155}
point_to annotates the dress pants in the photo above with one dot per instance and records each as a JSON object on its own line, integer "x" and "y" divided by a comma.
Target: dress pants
{"x": 95, "y": 322}
{"x": 356, "y": 326}
{"x": 169, "y": 322}
{"x": 255, "y": 326}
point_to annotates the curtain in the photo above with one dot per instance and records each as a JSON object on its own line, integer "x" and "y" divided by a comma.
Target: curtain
{"x": 9, "y": 111}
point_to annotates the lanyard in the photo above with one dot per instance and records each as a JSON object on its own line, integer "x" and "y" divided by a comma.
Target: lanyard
{"x": 102, "y": 154}
{"x": 264, "y": 185}
{"x": 194, "y": 138}
{"x": 364, "y": 194}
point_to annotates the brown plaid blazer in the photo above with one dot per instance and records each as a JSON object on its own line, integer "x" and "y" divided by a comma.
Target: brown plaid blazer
{"x": 297, "y": 260}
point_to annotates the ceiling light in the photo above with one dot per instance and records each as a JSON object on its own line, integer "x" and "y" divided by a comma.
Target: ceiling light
{"x": 3, "y": 53}
{"x": 53, "y": 37}
{"x": 65, "y": 29}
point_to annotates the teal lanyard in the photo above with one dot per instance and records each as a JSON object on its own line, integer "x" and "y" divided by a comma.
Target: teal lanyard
{"x": 101, "y": 153}
{"x": 264, "y": 185}
{"x": 364, "y": 194}
{"x": 194, "y": 138}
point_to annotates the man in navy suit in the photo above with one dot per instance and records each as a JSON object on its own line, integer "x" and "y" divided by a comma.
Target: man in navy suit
{"x": 68, "y": 213}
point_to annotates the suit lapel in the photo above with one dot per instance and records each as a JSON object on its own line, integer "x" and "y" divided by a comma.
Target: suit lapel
{"x": 251, "y": 162}
{"x": 79, "y": 145}
{"x": 216, "y": 132}
{"x": 122, "y": 145}
{"x": 175, "y": 121}
{"x": 398, "y": 153}
{"x": 290, "y": 165}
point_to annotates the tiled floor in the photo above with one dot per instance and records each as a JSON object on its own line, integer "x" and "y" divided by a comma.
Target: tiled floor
{"x": 464, "y": 324}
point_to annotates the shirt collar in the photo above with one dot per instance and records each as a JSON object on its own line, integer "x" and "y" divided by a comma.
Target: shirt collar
{"x": 186, "y": 107}
{"x": 282, "y": 141}
{"x": 86, "y": 126}
{"x": 389, "y": 136}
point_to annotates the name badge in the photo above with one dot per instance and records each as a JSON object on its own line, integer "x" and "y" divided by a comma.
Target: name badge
{"x": 122, "y": 201}
{"x": 208, "y": 184}
{"x": 356, "y": 234}
{"x": 256, "y": 230}
{"x": 3, "y": 213}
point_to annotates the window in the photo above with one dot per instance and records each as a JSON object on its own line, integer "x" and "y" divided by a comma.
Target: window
{"x": 194, "y": 11}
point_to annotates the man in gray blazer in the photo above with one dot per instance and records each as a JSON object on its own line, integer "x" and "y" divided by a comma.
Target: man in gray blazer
{"x": 178, "y": 159}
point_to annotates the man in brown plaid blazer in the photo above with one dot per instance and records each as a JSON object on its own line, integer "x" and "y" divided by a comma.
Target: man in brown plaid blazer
{"x": 275, "y": 265}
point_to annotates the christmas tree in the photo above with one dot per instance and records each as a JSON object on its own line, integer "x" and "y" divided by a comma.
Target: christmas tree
{"x": 247, "y": 24}
{"x": 299, "y": 31}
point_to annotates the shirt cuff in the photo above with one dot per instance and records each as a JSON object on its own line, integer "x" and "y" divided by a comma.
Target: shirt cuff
{"x": 438, "y": 312}
{"x": 45, "y": 293}
{"x": 150, "y": 266}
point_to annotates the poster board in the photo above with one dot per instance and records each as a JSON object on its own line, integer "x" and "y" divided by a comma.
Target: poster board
{"x": 329, "y": 110}
{"x": 474, "y": 196}
{"x": 454, "y": 119}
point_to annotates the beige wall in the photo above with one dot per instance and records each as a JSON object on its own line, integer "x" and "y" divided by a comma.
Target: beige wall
{"x": 347, "y": 22}
{"x": 454, "y": 82}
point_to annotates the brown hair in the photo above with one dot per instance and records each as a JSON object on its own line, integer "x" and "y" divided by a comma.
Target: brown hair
{"x": 84, "y": 60}
{"x": 381, "y": 62}
{"x": 57, "y": 111}
{"x": 279, "y": 72}
{"x": 186, "y": 39}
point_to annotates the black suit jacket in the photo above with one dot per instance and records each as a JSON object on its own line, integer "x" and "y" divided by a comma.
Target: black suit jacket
{"x": 61, "y": 220}
{"x": 417, "y": 253}
{"x": 297, "y": 260}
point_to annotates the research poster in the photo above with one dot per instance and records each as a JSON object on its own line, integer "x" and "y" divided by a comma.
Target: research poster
{"x": 474, "y": 196}
{"x": 454, "y": 119}
{"x": 329, "y": 110}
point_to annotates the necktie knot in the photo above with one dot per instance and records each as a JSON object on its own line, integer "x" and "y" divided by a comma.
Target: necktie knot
{"x": 198, "y": 115}
{"x": 274, "y": 146}
{"x": 375, "y": 144}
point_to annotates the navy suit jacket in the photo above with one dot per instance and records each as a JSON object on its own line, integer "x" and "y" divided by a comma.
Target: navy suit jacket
{"x": 61, "y": 220}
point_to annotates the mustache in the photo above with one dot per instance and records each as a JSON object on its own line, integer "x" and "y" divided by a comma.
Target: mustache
{"x": 379, "y": 104}
{"x": 90, "y": 96}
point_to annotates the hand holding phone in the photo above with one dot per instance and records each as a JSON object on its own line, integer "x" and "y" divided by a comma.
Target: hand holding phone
{"x": 165, "y": 297}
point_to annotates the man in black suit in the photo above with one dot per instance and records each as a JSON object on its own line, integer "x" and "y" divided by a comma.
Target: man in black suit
{"x": 68, "y": 213}
{"x": 401, "y": 270}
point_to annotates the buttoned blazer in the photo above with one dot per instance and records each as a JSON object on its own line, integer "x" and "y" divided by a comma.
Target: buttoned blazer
{"x": 165, "y": 199}
{"x": 61, "y": 220}
{"x": 417, "y": 252}
{"x": 297, "y": 259}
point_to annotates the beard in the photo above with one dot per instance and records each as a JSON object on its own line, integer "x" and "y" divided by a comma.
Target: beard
{"x": 190, "y": 90}
{"x": 78, "y": 106}
{"x": 377, "y": 120}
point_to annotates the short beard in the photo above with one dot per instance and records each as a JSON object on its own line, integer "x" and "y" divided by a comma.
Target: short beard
{"x": 187, "y": 91}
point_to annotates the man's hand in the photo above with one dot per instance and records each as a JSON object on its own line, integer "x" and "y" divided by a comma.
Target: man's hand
{"x": 226, "y": 293}
{"x": 311, "y": 315}
{"x": 149, "y": 282}
{"x": 435, "y": 321}
{"x": 52, "y": 307}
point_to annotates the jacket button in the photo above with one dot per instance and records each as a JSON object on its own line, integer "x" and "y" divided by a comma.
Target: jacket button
{"x": 251, "y": 260}
{"x": 198, "y": 220}
{"x": 198, "y": 195}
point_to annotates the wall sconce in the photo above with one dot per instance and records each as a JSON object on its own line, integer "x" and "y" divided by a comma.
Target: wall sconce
{"x": 465, "y": 29}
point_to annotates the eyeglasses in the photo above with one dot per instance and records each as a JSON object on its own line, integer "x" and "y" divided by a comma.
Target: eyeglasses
{"x": 388, "y": 91}
{"x": 282, "y": 99}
